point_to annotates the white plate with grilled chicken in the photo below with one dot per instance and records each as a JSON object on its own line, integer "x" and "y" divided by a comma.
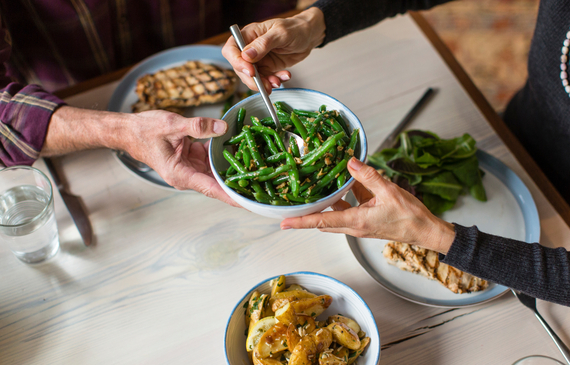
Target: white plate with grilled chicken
{"x": 189, "y": 80}
{"x": 509, "y": 211}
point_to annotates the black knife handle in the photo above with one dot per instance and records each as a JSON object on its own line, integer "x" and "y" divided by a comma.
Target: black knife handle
{"x": 54, "y": 173}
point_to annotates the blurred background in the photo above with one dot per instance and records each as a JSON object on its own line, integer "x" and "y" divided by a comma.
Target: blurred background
{"x": 489, "y": 38}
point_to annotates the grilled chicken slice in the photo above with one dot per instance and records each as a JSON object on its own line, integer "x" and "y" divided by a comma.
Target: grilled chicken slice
{"x": 192, "y": 84}
{"x": 426, "y": 263}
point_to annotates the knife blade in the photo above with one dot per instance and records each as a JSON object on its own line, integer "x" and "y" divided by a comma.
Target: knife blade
{"x": 73, "y": 203}
{"x": 391, "y": 138}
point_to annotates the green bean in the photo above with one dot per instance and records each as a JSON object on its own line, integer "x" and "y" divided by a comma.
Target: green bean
{"x": 235, "y": 139}
{"x": 292, "y": 198}
{"x": 246, "y": 157}
{"x": 341, "y": 121}
{"x": 280, "y": 202}
{"x": 281, "y": 169}
{"x": 280, "y": 180}
{"x": 313, "y": 198}
{"x": 262, "y": 197}
{"x": 275, "y": 158}
{"x": 234, "y": 162}
{"x": 270, "y": 189}
{"x": 230, "y": 171}
{"x": 335, "y": 125}
{"x": 351, "y": 147}
{"x": 312, "y": 131}
{"x": 330, "y": 176}
{"x": 268, "y": 122}
{"x": 293, "y": 175}
{"x": 240, "y": 119}
{"x": 236, "y": 187}
{"x": 306, "y": 113}
{"x": 311, "y": 158}
{"x": 341, "y": 179}
{"x": 265, "y": 137}
{"x": 326, "y": 131}
{"x": 311, "y": 168}
{"x": 294, "y": 148}
{"x": 307, "y": 184}
{"x": 299, "y": 125}
{"x": 243, "y": 183}
{"x": 253, "y": 149}
{"x": 252, "y": 175}
{"x": 323, "y": 109}
{"x": 284, "y": 117}
{"x": 281, "y": 105}
{"x": 276, "y": 137}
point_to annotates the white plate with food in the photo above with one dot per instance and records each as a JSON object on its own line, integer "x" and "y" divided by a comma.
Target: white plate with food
{"x": 175, "y": 94}
{"x": 509, "y": 211}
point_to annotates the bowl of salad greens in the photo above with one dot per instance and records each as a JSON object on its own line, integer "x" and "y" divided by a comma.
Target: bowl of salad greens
{"x": 255, "y": 169}
{"x": 436, "y": 170}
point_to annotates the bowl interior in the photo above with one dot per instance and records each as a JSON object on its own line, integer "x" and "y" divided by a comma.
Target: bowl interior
{"x": 345, "y": 301}
{"x": 298, "y": 99}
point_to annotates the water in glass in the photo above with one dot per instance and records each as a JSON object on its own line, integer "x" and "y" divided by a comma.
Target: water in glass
{"x": 34, "y": 235}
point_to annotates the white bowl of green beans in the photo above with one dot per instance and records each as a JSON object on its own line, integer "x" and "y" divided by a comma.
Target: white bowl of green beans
{"x": 255, "y": 169}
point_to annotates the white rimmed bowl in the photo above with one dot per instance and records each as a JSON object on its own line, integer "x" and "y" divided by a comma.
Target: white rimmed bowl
{"x": 345, "y": 301}
{"x": 303, "y": 99}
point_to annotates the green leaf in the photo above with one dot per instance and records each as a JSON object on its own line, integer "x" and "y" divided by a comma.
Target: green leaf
{"x": 404, "y": 165}
{"x": 406, "y": 146}
{"x": 478, "y": 192}
{"x": 436, "y": 204}
{"x": 444, "y": 184}
{"x": 466, "y": 171}
{"x": 380, "y": 160}
{"x": 426, "y": 160}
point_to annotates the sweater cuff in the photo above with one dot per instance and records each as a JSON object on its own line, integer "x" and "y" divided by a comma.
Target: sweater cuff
{"x": 462, "y": 246}
{"x": 25, "y": 113}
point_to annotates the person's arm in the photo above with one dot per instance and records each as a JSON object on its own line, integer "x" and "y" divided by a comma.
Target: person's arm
{"x": 345, "y": 17}
{"x": 161, "y": 139}
{"x": 20, "y": 139}
{"x": 35, "y": 123}
{"x": 536, "y": 270}
{"x": 276, "y": 44}
{"x": 387, "y": 211}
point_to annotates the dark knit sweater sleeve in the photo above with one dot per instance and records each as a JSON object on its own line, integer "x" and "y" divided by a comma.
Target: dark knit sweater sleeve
{"x": 343, "y": 17}
{"x": 533, "y": 269}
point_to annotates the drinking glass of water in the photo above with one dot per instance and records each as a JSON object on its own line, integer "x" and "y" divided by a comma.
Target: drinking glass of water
{"x": 27, "y": 219}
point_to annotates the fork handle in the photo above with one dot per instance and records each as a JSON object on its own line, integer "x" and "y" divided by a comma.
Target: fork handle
{"x": 234, "y": 29}
{"x": 561, "y": 346}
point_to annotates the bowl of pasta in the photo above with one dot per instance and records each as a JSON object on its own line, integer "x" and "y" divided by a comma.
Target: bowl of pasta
{"x": 301, "y": 318}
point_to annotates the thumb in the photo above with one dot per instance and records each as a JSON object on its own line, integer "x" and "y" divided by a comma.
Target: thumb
{"x": 201, "y": 127}
{"x": 366, "y": 175}
{"x": 261, "y": 46}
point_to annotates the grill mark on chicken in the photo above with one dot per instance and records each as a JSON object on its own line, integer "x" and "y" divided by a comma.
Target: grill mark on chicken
{"x": 192, "y": 84}
{"x": 426, "y": 263}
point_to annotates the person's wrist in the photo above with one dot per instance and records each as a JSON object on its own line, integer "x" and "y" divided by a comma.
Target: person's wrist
{"x": 440, "y": 235}
{"x": 315, "y": 20}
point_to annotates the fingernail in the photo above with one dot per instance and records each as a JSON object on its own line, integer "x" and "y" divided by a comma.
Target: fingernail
{"x": 283, "y": 228}
{"x": 275, "y": 86}
{"x": 284, "y": 77}
{"x": 219, "y": 127}
{"x": 251, "y": 53}
{"x": 355, "y": 164}
{"x": 246, "y": 71}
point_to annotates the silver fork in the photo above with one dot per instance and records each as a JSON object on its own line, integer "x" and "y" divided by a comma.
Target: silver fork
{"x": 530, "y": 303}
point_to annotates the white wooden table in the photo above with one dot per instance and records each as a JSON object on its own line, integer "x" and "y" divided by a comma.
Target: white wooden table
{"x": 168, "y": 267}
